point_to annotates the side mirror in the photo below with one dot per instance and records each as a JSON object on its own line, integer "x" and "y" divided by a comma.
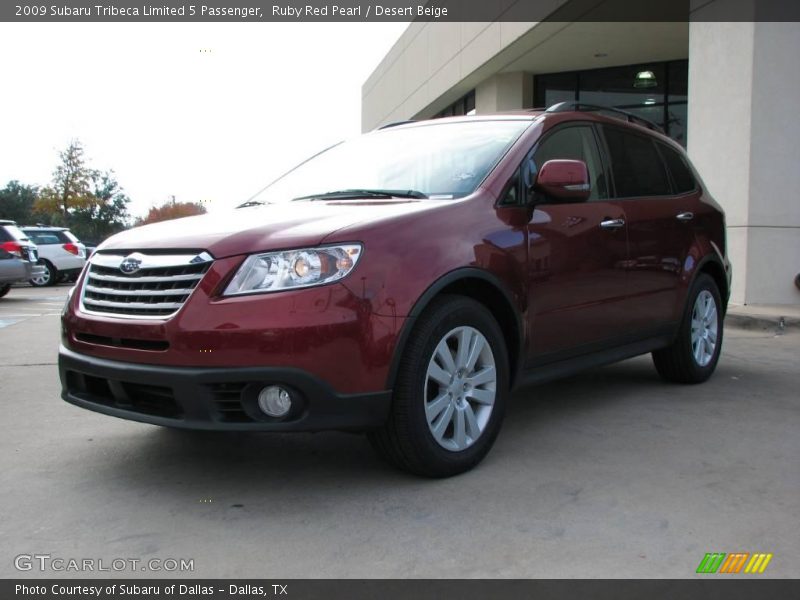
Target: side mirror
{"x": 564, "y": 180}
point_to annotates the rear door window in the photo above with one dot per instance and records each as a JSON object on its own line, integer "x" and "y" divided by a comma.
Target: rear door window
{"x": 635, "y": 164}
{"x": 682, "y": 176}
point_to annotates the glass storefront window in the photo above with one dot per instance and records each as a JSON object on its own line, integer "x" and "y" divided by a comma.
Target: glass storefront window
{"x": 560, "y": 87}
{"x": 624, "y": 87}
{"x": 677, "y": 100}
{"x": 463, "y": 106}
{"x": 653, "y": 91}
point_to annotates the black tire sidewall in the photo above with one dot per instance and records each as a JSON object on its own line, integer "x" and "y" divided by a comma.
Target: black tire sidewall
{"x": 4, "y": 289}
{"x": 448, "y": 315}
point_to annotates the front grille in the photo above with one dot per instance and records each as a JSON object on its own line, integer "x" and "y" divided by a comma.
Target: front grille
{"x": 156, "y": 289}
{"x": 137, "y": 397}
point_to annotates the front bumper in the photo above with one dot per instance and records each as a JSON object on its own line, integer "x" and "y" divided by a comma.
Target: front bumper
{"x": 326, "y": 331}
{"x": 213, "y": 398}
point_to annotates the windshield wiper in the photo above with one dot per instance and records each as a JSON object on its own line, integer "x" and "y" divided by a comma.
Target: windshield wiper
{"x": 250, "y": 203}
{"x": 365, "y": 193}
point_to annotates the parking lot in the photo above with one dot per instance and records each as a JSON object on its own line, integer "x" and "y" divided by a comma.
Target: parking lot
{"x": 611, "y": 473}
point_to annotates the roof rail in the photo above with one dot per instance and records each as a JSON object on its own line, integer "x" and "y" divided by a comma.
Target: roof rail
{"x": 580, "y": 106}
{"x": 395, "y": 124}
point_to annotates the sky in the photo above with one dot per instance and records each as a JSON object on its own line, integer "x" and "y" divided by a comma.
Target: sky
{"x": 206, "y": 112}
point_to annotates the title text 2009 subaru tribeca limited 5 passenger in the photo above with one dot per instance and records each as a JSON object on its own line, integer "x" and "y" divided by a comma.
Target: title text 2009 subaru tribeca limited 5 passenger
{"x": 403, "y": 282}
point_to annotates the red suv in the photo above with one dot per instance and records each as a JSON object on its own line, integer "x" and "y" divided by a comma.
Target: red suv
{"x": 404, "y": 282}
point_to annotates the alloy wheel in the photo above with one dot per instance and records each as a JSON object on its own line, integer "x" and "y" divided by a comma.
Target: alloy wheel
{"x": 704, "y": 328}
{"x": 42, "y": 279}
{"x": 460, "y": 388}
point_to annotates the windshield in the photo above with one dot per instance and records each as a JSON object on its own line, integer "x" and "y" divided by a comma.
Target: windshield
{"x": 440, "y": 161}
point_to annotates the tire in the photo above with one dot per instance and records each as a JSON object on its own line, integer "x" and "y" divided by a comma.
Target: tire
{"x": 688, "y": 360}
{"x": 468, "y": 419}
{"x": 50, "y": 276}
{"x": 4, "y": 289}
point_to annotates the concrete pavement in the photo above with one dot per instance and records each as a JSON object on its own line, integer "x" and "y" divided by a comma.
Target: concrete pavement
{"x": 766, "y": 317}
{"x": 611, "y": 473}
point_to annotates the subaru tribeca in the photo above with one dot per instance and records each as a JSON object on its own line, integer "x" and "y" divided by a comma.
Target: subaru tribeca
{"x": 401, "y": 284}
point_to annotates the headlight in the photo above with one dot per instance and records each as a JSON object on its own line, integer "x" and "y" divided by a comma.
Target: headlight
{"x": 291, "y": 269}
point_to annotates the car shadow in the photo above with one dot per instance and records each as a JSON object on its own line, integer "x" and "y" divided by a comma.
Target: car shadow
{"x": 241, "y": 467}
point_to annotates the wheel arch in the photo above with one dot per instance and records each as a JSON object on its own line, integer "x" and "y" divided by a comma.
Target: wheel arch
{"x": 481, "y": 286}
{"x": 714, "y": 268}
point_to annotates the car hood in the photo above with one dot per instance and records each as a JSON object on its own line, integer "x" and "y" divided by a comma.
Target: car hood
{"x": 261, "y": 228}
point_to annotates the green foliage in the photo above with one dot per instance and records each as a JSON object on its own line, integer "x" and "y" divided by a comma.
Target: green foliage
{"x": 17, "y": 201}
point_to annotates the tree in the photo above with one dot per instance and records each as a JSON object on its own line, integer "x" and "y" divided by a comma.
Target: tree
{"x": 172, "y": 210}
{"x": 106, "y": 214}
{"x": 71, "y": 187}
{"x": 90, "y": 202}
{"x": 17, "y": 201}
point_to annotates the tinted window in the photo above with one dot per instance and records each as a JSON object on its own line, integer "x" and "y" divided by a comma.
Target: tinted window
{"x": 635, "y": 164}
{"x": 681, "y": 175}
{"x": 43, "y": 238}
{"x": 575, "y": 143}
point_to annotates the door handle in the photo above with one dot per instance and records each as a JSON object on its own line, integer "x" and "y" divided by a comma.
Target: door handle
{"x": 612, "y": 223}
{"x": 685, "y": 216}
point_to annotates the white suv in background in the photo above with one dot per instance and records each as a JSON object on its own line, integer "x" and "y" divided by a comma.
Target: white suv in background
{"x": 61, "y": 253}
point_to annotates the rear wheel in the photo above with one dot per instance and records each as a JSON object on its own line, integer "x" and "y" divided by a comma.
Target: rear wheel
{"x": 4, "y": 289}
{"x": 49, "y": 277}
{"x": 450, "y": 393}
{"x": 693, "y": 356}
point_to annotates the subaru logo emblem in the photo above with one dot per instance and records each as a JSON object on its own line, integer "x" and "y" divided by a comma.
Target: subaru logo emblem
{"x": 130, "y": 265}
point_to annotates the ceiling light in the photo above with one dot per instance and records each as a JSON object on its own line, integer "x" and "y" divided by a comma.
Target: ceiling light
{"x": 645, "y": 79}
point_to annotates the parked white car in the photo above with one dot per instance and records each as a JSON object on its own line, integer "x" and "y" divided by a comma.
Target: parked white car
{"x": 60, "y": 252}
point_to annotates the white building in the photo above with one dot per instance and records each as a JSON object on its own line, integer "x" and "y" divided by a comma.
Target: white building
{"x": 728, "y": 91}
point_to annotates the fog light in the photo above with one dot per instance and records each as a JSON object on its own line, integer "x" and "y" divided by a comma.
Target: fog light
{"x": 275, "y": 400}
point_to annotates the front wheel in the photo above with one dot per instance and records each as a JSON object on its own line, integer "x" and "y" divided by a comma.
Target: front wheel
{"x": 450, "y": 394}
{"x": 693, "y": 355}
{"x": 4, "y": 289}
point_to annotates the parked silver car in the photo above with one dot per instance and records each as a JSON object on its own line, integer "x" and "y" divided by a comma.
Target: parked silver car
{"x": 60, "y": 252}
{"x": 18, "y": 257}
